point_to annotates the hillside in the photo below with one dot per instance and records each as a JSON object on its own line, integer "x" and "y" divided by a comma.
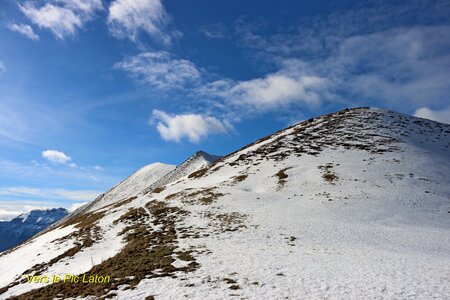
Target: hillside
{"x": 350, "y": 205}
{"x": 26, "y": 225}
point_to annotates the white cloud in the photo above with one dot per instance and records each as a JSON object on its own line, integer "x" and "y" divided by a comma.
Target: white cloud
{"x": 127, "y": 18}
{"x": 11, "y": 209}
{"x": 2, "y": 67}
{"x": 442, "y": 116}
{"x": 64, "y": 17}
{"x": 24, "y": 29}
{"x": 271, "y": 91}
{"x": 56, "y": 157}
{"x": 75, "y": 206}
{"x": 6, "y": 215}
{"x": 98, "y": 168}
{"x": 160, "y": 69}
{"x": 194, "y": 127}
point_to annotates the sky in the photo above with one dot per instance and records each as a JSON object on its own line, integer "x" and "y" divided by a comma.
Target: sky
{"x": 92, "y": 90}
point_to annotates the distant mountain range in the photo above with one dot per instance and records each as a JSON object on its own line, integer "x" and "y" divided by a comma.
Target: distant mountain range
{"x": 26, "y": 225}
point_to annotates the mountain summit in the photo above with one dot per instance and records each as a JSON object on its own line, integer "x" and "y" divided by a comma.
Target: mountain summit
{"x": 353, "y": 204}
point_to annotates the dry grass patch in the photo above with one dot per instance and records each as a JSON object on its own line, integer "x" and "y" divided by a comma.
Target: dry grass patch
{"x": 147, "y": 254}
{"x": 174, "y": 195}
{"x": 123, "y": 202}
{"x": 282, "y": 177}
{"x": 156, "y": 190}
{"x": 198, "y": 174}
{"x": 327, "y": 173}
{"x": 84, "y": 220}
{"x": 202, "y": 197}
{"x": 196, "y": 197}
{"x": 239, "y": 178}
{"x": 227, "y": 221}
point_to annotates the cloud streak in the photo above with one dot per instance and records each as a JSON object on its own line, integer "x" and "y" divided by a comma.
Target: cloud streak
{"x": 215, "y": 31}
{"x": 25, "y": 30}
{"x": 50, "y": 194}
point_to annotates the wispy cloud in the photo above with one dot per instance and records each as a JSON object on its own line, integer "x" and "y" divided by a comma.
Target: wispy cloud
{"x": 2, "y": 67}
{"x": 215, "y": 31}
{"x": 193, "y": 127}
{"x": 160, "y": 69}
{"x": 25, "y": 30}
{"x": 64, "y": 17}
{"x": 13, "y": 122}
{"x": 128, "y": 18}
{"x": 316, "y": 36}
{"x": 49, "y": 193}
{"x": 36, "y": 171}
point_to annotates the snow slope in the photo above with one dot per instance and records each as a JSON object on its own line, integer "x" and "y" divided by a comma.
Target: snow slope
{"x": 132, "y": 185}
{"x": 350, "y": 205}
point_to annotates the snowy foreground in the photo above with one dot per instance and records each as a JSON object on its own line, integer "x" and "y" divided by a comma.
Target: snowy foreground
{"x": 352, "y": 205}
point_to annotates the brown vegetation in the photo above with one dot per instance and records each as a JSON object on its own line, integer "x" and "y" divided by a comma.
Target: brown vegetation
{"x": 147, "y": 254}
{"x": 198, "y": 173}
{"x": 328, "y": 175}
{"x": 282, "y": 177}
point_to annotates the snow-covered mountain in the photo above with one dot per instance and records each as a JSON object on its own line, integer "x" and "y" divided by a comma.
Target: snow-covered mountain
{"x": 26, "y": 225}
{"x": 350, "y": 205}
{"x": 148, "y": 178}
{"x": 132, "y": 185}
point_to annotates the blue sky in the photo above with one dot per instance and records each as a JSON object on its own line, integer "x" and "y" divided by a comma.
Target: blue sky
{"x": 92, "y": 90}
